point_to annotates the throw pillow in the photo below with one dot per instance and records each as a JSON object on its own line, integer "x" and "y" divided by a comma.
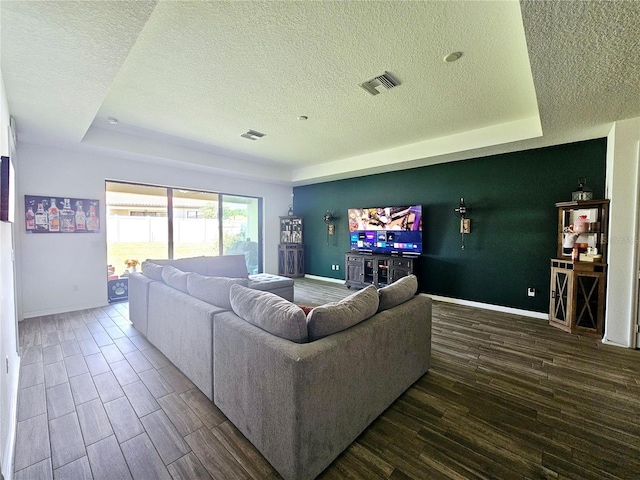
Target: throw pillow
{"x": 306, "y": 309}
{"x": 175, "y": 278}
{"x": 334, "y": 317}
{"x": 269, "y": 312}
{"x": 152, "y": 270}
{"x": 213, "y": 290}
{"x": 398, "y": 292}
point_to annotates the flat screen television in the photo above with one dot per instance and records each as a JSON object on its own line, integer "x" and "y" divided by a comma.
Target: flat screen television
{"x": 392, "y": 230}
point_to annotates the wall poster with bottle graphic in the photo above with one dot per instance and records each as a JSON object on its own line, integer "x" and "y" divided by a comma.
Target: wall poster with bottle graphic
{"x": 61, "y": 214}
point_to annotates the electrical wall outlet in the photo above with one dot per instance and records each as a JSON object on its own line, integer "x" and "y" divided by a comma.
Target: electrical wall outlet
{"x": 337, "y": 267}
{"x": 531, "y": 292}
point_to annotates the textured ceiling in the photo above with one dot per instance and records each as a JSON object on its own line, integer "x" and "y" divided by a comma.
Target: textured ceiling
{"x": 185, "y": 79}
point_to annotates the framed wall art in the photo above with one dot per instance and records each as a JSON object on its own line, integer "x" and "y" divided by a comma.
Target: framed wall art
{"x": 47, "y": 214}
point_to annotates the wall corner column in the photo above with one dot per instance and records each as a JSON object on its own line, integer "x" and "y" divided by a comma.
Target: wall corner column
{"x": 622, "y": 188}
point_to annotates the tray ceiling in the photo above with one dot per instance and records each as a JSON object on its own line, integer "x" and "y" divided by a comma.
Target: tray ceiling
{"x": 186, "y": 79}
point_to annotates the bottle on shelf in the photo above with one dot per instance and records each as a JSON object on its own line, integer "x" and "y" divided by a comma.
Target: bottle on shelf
{"x": 54, "y": 216}
{"x": 42, "y": 222}
{"x": 31, "y": 219}
{"x": 93, "y": 222}
{"x": 67, "y": 220}
{"x": 81, "y": 219}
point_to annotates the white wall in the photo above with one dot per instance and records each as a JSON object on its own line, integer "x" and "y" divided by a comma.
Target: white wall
{"x": 622, "y": 189}
{"x": 62, "y": 273}
{"x": 8, "y": 343}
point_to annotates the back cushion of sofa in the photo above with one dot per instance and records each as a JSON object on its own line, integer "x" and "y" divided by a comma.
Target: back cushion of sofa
{"x": 269, "y": 312}
{"x": 333, "y": 317}
{"x": 398, "y": 292}
{"x": 191, "y": 264}
{"x": 232, "y": 266}
{"x": 152, "y": 270}
{"x": 213, "y": 290}
{"x": 175, "y": 278}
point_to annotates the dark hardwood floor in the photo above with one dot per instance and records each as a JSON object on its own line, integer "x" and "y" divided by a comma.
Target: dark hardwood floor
{"x": 506, "y": 397}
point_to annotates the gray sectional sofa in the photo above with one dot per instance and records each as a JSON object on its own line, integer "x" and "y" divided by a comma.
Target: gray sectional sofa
{"x": 300, "y": 387}
{"x": 179, "y": 323}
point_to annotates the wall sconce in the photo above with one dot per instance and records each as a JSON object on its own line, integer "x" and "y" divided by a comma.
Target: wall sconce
{"x": 465, "y": 224}
{"x": 328, "y": 218}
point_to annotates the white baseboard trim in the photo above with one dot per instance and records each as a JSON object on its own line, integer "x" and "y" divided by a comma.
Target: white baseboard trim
{"x": 606, "y": 341}
{"x": 324, "y": 279}
{"x": 9, "y": 450}
{"x": 67, "y": 309}
{"x": 488, "y": 306}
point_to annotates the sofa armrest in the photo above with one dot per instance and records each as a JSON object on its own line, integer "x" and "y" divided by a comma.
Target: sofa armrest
{"x": 139, "y": 301}
{"x": 303, "y": 404}
{"x": 181, "y": 327}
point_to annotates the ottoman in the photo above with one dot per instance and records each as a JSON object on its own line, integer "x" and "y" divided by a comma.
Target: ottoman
{"x": 281, "y": 286}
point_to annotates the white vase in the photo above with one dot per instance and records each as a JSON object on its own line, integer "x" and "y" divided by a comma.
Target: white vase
{"x": 133, "y": 269}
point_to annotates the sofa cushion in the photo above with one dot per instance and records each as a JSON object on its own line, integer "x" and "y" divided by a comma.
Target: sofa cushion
{"x": 232, "y": 266}
{"x": 213, "y": 290}
{"x": 398, "y": 292}
{"x": 189, "y": 264}
{"x": 175, "y": 278}
{"x": 152, "y": 270}
{"x": 334, "y": 317}
{"x": 269, "y": 312}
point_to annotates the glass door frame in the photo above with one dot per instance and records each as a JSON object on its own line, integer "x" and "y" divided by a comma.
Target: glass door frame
{"x": 221, "y": 197}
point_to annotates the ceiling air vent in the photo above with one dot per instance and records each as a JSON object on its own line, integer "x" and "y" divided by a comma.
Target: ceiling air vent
{"x": 380, "y": 83}
{"x": 252, "y": 135}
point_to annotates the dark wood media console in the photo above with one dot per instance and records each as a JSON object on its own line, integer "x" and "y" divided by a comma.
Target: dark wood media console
{"x": 375, "y": 269}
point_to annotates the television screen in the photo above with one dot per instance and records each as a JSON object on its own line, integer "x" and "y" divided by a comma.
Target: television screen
{"x": 393, "y": 230}
{"x": 7, "y": 190}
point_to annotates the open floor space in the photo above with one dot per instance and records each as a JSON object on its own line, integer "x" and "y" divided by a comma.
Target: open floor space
{"x": 506, "y": 397}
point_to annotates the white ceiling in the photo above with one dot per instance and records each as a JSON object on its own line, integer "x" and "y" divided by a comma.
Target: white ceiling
{"x": 186, "y": 79}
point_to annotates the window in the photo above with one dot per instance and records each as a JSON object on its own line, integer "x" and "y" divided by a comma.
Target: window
{"x": 132, "y": 232}
{"x": 145, "y": 221}
{"x": 196, "y": 229}
{"x": 240, "y": 229}
{"x": 147, "y": 214}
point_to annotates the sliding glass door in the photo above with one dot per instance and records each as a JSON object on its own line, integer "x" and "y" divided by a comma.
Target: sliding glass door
{"x": 136, "y": 224}
{"x": 196, "y": 226}
{"x": 146, "y": 221}
{"x": 241, "y": 228}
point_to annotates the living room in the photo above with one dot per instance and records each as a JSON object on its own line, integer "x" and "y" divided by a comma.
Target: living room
{"x": 589, "y": 129}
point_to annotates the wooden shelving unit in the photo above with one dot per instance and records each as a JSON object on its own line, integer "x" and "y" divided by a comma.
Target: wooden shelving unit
{"x": 291, "y": 248}
{"x": 578, "y": 287}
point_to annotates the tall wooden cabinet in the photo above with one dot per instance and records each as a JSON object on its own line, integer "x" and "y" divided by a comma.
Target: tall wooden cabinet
{"x": 578, "y": 285}
{"x": 291, "y": 248}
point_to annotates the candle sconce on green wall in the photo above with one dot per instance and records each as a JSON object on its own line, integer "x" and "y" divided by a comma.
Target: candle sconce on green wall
{"x": 328, "y": 218}
{"x": 465, "y": 223}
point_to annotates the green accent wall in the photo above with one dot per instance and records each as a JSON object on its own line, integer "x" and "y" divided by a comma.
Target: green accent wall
{"x": 513, "y": 219}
